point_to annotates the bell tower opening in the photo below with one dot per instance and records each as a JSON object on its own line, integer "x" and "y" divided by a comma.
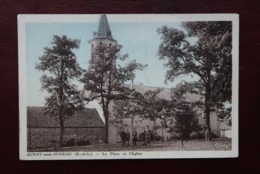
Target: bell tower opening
{"x": 103, "y": 36}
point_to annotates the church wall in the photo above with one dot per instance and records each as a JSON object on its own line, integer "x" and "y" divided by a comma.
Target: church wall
{"x": 100, "y": 41}
{"x": 114, "y": 130}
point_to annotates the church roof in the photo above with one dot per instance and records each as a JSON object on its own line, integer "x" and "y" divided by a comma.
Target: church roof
{"x": 84, "y": 118}
{"x": 165, "y": 92}
{"x": 104, "y": 29}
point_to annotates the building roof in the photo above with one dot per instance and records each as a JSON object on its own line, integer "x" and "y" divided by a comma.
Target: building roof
{"x": 104, "y": 29}
{"x": 223, "y": 126}
{"x": 84, "y": 118}
{"x": 165, "y": 92}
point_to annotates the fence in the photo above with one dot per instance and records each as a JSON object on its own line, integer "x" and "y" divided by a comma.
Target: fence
{"x": 48, "y": 137}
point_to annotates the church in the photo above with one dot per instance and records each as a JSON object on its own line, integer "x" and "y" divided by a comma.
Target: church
{"x": 104, "y": 37}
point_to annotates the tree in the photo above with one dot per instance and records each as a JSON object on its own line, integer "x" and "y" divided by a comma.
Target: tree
{"x": 185, "y": 122}
{"x": 129, "y": 108}
{"x": 105, "y": 78}
{"x": 185, "y": 118}
{"x": 156, "y": 108}
{"x": 152, "y": 106}
{"x": 225, "y": 114}
{"x": 165, "y": 113}
{"x": 209, "y": 58}
{"x": 61, "y": 67}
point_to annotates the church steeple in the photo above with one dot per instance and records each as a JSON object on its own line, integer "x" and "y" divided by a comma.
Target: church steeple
{"x": 102, "y": 37}
{"x": 104, "y": 29}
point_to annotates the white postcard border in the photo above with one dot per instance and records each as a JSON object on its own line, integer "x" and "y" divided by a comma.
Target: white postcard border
{"x": 23, "y": 19}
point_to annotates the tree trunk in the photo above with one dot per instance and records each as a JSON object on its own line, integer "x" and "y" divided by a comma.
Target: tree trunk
{"x": 182, "y": 134}
{"x": 106, "y": 127}
{"x": 132, "y": 124}
{"x": 61, "y": 103}
{"x": 162, "y": 132}
{"x": 154, "y": 126}
{"x": 61, "y": 133}
{"x": 207, "y": 109}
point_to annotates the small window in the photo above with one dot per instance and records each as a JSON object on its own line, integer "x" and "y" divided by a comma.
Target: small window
{"x": 110, "y": 45}
{"x": 100, "y": 43}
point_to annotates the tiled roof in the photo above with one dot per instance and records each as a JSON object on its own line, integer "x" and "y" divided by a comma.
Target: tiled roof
{"x": 84, "y": 118}
{"x": 104, "y": 29}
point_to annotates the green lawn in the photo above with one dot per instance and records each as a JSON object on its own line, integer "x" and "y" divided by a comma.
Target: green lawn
{"x": 194, "y": 145}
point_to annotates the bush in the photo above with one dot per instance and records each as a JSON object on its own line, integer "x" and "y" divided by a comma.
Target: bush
{"x": 214, "y": 135}
{"x": 192, "y": 135}
{"x": 73, "y": 142}
{"x": 225, "y": 139}
{"x": 175, "y": 136}
{"x": 197, "y": 135}
{"x": 83, "y": 142}
{"x": 157, "y": 138}
{"x": 70, "y": 142}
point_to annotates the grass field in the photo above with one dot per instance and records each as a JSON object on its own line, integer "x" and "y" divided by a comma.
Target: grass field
{"x": 194, "y": 145}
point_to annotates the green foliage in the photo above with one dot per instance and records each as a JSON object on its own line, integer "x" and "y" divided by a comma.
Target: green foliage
{"x": 152, "y": 104}
{"x": 59, "y": 63}
{"x": 225, "y": 114}
{"x": 72, "y": 141}
{"x": 131, "y": 108}
{"x": 186, "y": 122}
{"x": 209, "y": 58}
{"x": 105, "y": 77}
{"x": 61, "y": 67}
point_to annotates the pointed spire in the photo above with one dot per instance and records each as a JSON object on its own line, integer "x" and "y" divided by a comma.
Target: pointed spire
{"x": 103, "y": 29}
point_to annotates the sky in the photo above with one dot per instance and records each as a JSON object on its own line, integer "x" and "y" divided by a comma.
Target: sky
{"x": 139, "y": 40}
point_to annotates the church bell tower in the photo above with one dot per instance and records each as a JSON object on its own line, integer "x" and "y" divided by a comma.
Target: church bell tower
{"x": 102, "y": 37}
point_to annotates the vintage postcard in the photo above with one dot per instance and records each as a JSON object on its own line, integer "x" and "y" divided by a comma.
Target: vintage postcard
{"x": 137, "y": 86}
